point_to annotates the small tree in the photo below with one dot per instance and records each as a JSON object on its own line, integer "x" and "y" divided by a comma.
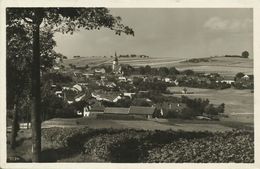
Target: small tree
{"x": 239, "y": 76}
{"x": 147, "y": 69}
{"x": 188, "y": 72}
{"x": 163, "y": 71}
{"x": 210, "y": 110}
{"x": 221, "y": 108}
{"x": 245, "y": 54}
{"x": 173, "y": 71}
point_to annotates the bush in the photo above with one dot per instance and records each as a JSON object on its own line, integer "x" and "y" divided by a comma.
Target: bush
{"x": 110, "y": 147}
{"x": 129, "y": 145}
{"x": 221, "y": 148}
{"x": 126, "y": 151}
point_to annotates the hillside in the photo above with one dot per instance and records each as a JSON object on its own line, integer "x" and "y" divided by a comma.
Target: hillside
{"x": 223, "y": 65}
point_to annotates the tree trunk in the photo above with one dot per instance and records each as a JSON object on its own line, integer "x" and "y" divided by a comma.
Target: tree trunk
{"x": 14, "y": 127}
{"x": 36, "y": 95}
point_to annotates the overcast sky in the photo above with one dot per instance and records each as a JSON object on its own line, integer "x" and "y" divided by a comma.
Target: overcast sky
{"x": 179, "y": 33}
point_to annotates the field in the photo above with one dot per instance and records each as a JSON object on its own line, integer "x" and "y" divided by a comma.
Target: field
{"x": 239, "y": 104}
{"x": 222, "y": 65}
{"x": 153, "y": 124}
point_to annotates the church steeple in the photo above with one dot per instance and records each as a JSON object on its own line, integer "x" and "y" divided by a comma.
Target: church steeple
{"x": 116, "y": 59}
{"x": 115, "y": 63}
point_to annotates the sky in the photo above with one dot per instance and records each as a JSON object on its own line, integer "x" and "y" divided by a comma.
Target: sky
{"x": 167, "y": 32}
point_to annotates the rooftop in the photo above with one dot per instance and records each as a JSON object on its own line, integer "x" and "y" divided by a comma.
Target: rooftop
{"x": 133, "y": 110}
{"x": 140, "y": 110}
{"x": 116, "y": 110}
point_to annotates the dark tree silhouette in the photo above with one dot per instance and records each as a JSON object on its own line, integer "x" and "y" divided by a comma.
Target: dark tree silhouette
{"x": 73, "y": 19}
{"x": 245, "y": 54}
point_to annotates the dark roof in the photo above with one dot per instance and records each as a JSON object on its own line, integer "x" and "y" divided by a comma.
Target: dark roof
{"x": 140, "y": 110}
{"x": 116, "y": 110}
{"x": 99, "y": 108}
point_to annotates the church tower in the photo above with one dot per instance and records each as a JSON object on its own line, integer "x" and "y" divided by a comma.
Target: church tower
{"x": 115, "y": 63}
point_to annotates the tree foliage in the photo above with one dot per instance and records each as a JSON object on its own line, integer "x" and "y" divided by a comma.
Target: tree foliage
{"x": 245, "y": 54}
{"x": 28, "y": 22}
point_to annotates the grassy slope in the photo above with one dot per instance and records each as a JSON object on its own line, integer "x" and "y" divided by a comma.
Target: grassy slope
{"x": 155, "y": 124}
{"x": 236, "y": 101}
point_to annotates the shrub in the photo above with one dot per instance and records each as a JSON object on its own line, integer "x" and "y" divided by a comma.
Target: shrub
{"x": 223, "y": 147}
{"x": 129, "y": 145}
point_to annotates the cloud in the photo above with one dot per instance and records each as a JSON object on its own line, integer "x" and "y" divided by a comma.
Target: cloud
{"x": 217, "y": 23}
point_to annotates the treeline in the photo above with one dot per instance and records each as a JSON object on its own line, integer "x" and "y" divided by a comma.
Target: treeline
{"x": 203, "y": 106}
{"x": 197, "y": 60}
{"x": 191, "y": 108}
{"x": 233, "y": 56}
{"x": 243, "y": 81}
{"x": 148, "y": 85}
{"x": 148, "y": 70}
{"x": 185, "y": 78}
{"x": 133, "y": 56}
{"x": 244, "y": 54}
{"x": 205, "y": 84}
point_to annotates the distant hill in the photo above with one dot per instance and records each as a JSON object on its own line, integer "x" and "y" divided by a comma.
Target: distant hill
{"x": 223, "y": 65}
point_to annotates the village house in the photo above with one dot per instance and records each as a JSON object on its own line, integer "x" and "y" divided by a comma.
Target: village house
{"x": 53, "y": 86}
{"x": 140, "y": 111}
{"x": 130, "y": 95}
{"x": 132, "y": 112}
{"x": 80, "y": 97}
{"x": 130, "y": 80}
{"x": 93, "y": 111}
{"x": 100, "y": 71}
{"x": 77, "y": 74}
{"x": 110, "y": 85}
{"x": 167, "y": 80}
{"x": 122, "y": 79}
{"x": 59, "y": 94}
{"x": 227, "y": 81}
{"x": 88, "y": 75}
{"x": 77, "y": 87}
{"x": 245, "y": 77}
{"x": 176, "y": 82}
{"x": 103, "y": 78}
{"x": 65, "y": 88}
{"x": 116, "y": 110}
{"x": 56, "y": 68}
{"x": 106, "y": 96}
